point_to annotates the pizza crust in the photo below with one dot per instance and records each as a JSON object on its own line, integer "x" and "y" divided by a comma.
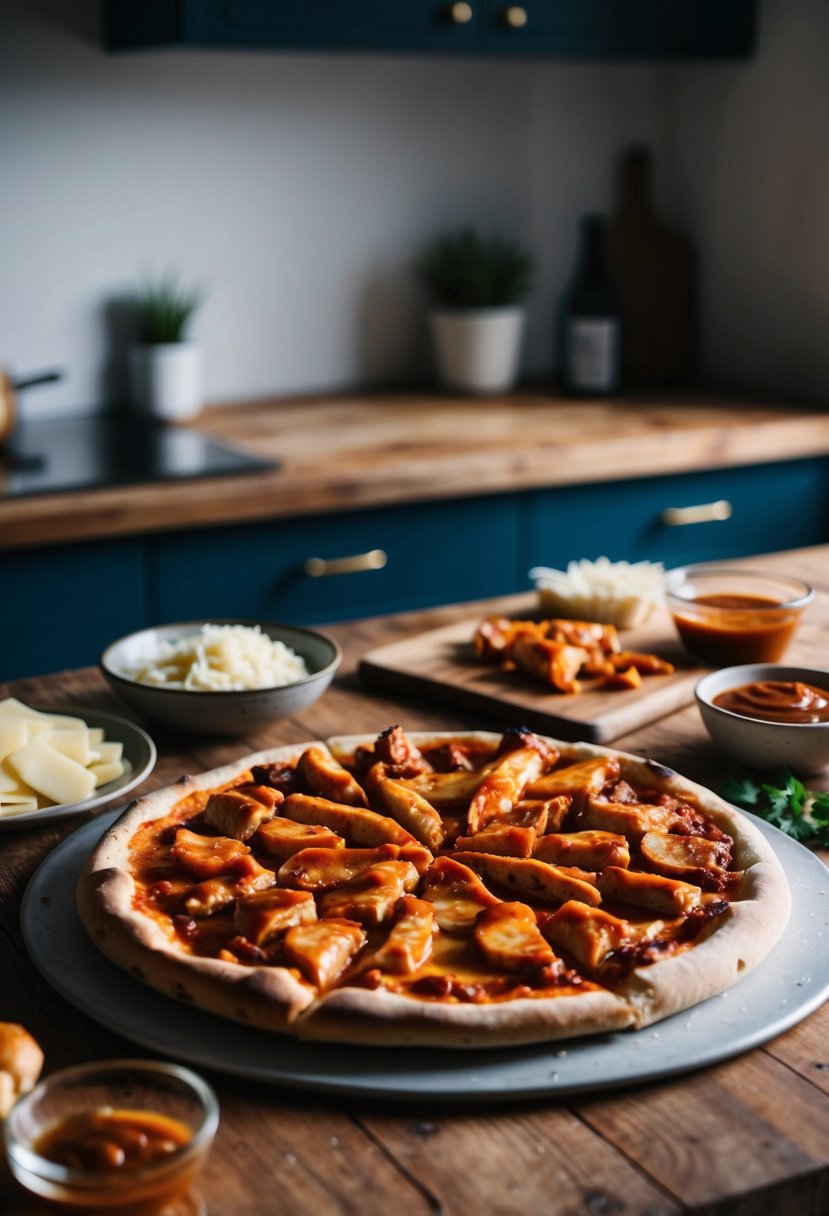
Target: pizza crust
{"x": 752, "y": 926}
{"x": 267, "y": 997}
{"x": 279, "y": 999}
{"x": 382, "y": 1018}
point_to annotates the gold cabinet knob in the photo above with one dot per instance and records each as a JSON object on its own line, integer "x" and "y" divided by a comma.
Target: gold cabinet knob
{"x": 319, "y": 567}
{"x": 515, "y": 17}
{"x": 703, "y": 513}
{"x": 460, "y": 13}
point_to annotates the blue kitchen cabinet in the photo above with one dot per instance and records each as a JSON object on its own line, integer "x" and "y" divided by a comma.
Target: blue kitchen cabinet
{"x": 470, "y": 548}
{"x": 622, "y": 29}
{"x": 436, "y": 552}
{"x": 60, "y": 606}
{"x": 567, "y": 29}
{"x": 769, "y": 506}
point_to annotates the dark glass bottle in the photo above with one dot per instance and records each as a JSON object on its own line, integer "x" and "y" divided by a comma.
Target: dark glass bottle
{"x": 590, "y": 348}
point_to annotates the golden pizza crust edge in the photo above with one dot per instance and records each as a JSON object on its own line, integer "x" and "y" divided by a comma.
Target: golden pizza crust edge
{"x": 382, "y": 1018}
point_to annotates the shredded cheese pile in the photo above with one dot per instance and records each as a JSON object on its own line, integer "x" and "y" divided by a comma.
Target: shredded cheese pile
{"x": 222, "y": 658}
{"x": 614, "y": 593}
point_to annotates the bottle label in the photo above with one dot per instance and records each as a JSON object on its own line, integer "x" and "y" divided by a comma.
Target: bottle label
{"x": 594, "y": 351}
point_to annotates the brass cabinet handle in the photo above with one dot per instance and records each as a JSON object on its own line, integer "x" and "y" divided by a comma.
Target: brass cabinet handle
{"x": 319, "y": 567}
{"x": 460, "y": 13}
{"x": 515, "y": 17}
{"x": 703, "y": 513}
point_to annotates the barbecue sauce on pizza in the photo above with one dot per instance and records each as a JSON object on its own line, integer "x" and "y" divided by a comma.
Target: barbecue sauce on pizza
{"x": 466, "y": 872}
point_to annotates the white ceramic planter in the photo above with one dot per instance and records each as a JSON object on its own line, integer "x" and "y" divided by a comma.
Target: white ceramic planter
{"x": 478, "y": 350}
{"x": 166, "y": 380}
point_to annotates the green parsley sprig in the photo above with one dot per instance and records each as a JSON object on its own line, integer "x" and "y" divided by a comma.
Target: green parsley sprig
{"x": 784, "y": 801}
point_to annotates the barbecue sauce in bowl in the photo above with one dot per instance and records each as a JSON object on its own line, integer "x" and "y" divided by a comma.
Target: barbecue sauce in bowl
{"x": 789, "y": 701}
{"x": 111, "y": 1139}
{"x": 121, "y": 1162}
{"x": 731, "y": 629}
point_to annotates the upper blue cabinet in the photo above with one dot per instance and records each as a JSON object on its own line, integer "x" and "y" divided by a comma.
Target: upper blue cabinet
{"x": 566, "y": 29}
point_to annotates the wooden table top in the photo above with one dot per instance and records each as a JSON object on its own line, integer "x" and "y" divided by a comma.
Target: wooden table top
{"x": 748, "y": 1137}
{"x": 375, "y": 449}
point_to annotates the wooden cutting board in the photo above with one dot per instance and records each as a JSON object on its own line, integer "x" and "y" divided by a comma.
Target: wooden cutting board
{"x": 440, "y": 665}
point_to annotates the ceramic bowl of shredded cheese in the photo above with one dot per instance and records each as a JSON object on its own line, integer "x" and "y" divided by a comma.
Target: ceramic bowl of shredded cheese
{"x": 615, "y": 593}
{"x": 222, "y": 677}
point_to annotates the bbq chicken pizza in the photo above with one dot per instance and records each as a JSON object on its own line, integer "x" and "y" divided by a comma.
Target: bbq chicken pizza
{"x": 464, "y": 890}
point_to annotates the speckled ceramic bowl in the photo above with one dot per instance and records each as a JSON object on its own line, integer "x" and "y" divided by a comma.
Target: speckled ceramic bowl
{"x": 219, "y": 713}
{"x": 800, "y": 746}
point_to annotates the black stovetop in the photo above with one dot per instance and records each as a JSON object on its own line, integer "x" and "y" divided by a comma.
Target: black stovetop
{"x": 51, "y": 455}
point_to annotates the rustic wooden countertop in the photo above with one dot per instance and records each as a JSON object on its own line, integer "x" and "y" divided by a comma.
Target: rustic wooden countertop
{"x": 748, "y": 1137}
{"x": 365, "y": 450}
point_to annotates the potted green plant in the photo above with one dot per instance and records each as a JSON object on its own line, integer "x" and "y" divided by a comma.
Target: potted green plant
{"x": 478, "y": 287}
{"x": 165, "y": 368}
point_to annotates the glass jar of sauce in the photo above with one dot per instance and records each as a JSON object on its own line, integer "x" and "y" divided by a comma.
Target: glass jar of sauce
{"x": 777, "y": 701}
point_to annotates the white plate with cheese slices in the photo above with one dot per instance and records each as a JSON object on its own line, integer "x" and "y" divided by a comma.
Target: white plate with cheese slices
{"x": 55, "y": 763}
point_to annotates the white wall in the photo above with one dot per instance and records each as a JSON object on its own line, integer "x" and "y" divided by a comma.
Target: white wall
{"x": 297, "y": 188}
{"x": 751, "y": 161}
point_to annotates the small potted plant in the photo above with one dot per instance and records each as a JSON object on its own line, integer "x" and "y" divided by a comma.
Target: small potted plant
{"x": 478, "y": 287}
{"x": 165, "y": 368}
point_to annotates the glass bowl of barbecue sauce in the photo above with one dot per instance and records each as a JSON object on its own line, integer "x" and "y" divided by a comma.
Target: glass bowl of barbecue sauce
{"x": 121, "y": 1136}
{"x": 768, "y": 715}
{"x": 727, "y": 617}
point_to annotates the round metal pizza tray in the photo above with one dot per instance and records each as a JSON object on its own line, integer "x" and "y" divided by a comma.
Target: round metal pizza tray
{"x": 791, "y": 982}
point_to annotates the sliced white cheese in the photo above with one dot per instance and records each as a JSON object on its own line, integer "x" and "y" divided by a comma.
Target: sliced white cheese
{"x": 13, "y": 734}
{"x": 109, "y": 753}
{"x": 73, "y": 743}
{"x": 10, "y": 783}
{"x": 107, "y": 770}
{"x": 16, "y": 804}
{"x": 12, "y": 708}
{"x": 48, "y": 759}
{"x": 51, "y": 773}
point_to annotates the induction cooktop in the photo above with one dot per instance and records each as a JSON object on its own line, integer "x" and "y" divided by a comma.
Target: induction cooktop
{"x": 57, "y": 454}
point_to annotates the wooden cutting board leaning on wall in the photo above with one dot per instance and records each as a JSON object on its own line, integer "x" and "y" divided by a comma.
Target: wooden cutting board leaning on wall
{"x": 654, "y": 271}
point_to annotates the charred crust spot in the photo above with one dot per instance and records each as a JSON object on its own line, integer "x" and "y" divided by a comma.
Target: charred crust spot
{"x": 137, "y": 972}
{"x": 516, "y": 737}
{"x": 513, "y": 737}
{"x": 184, "y": 780}
{"x": 661, "y": 770}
